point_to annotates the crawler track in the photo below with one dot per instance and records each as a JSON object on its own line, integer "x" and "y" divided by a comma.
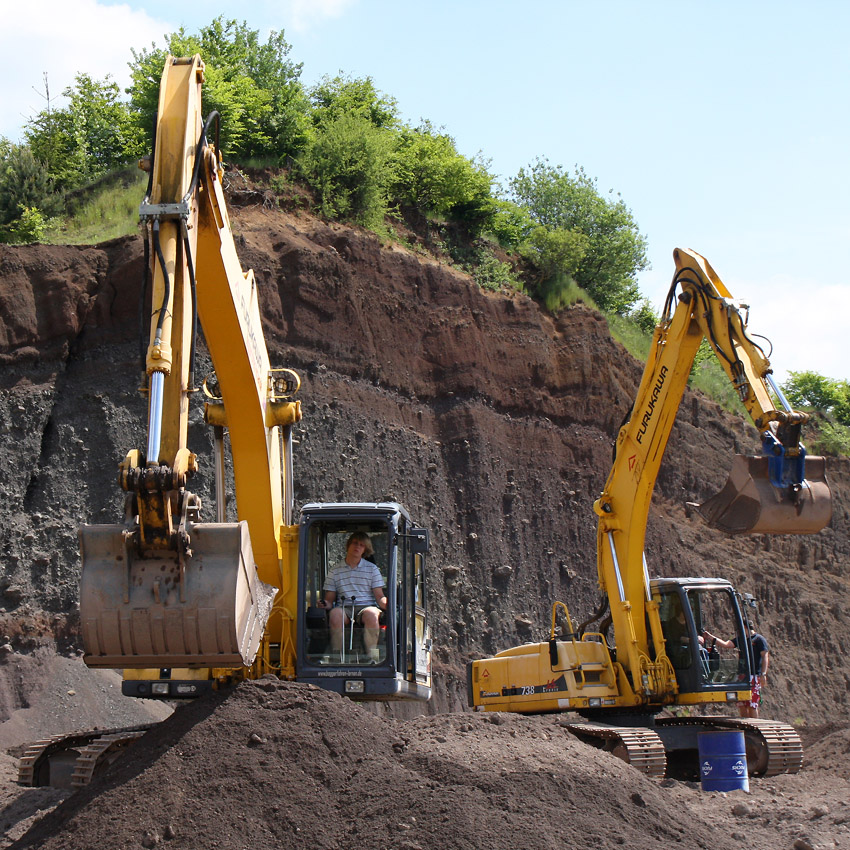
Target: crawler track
{"x": 772, "y": 747}
{"x": 101, "y": 753}
{"x": 93, "y": 750}
{"x": 638, "y": 746}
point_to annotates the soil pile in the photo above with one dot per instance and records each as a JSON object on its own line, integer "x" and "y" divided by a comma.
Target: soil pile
{"x": 274, "y": 764}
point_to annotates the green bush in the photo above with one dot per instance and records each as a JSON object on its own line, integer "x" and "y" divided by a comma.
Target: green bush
{"x": 491, "y": 273}
{"x": 509, "y": 223}
{"x": 615, "y": 250}
{"x": 832, "y": 438}
{"x": 827, "y": 395}
{"x": 29, "y": 227}
{"x": 346, "y": 161}
{"x": 561, "y": 291}
{"x": 24, "y": 184}
{"x": 255, "y": 87}
{"x": 432, "y": 178}
{"x": 555, "y": 252}
{"x": 644, "y": 316}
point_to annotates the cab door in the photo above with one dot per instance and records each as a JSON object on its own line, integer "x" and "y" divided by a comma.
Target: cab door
{"x": 414, "y": 644}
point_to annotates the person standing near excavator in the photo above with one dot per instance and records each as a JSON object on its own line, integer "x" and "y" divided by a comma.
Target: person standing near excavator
{"x": 760, "y": 661}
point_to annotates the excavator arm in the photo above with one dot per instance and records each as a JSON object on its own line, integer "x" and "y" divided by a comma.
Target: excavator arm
{"x": 163, "y": 589}
{"x": 782, "y": 491}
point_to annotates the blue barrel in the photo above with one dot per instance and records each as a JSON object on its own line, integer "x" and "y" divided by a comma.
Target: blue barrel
{"x": 723, "y": 761}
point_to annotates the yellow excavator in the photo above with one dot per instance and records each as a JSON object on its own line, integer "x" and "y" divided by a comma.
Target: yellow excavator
{"x": 659, "y": 658}
{"x": 182, "y": 605}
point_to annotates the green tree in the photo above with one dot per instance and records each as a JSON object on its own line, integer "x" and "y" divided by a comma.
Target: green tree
{"x": 510, "y": 223}
{"x": 556, "y": 251}
{"x": 827, "y": 395}
{"x": 346, "y": 160}
{"x": 347, "y": 157}
{"x": 255, "y": 87}
{"x": 344, "y": 95}
{"x": 616, "y": 251}
{"x": 432, "y": 178}
{"x": 24, "y": 184}
{"x": 644, "y": 316}
{"x": 5, "y": 149}
{"x": 91, "y": 136}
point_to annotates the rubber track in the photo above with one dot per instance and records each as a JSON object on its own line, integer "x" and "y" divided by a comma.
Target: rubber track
{"x": 644, "y": 748}
{"x": 38, "y": 751}
{"x": 783, "y": 745}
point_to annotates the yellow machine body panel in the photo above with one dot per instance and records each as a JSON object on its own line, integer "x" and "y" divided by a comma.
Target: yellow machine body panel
{"x": 525, "y": 679}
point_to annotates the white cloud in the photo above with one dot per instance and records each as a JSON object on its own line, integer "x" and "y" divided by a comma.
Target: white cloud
{"x": 807, "y": 323}
{"x": 306, "y": 14}
{"x": 63, "y": 39}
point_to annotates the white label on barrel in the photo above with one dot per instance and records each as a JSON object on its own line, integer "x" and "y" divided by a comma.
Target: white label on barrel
{"x": 707, "y": 767}
{"x": 740, "y": 767}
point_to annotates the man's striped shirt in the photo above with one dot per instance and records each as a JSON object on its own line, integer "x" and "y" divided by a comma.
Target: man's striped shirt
{"x": 354, "y": 582}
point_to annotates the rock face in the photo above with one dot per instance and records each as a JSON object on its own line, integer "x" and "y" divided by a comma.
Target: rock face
{"x": 489, "y": 419}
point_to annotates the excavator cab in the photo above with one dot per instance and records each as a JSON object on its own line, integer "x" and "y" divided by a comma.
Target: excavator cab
{"x": 340, "y": 659}
{"x": 689, "y": 607}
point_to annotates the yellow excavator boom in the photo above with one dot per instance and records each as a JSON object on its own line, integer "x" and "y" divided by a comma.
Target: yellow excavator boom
{"x": 164, "y": 589}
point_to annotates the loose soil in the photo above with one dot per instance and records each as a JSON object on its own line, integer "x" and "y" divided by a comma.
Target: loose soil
{"x": 493, "y": 423}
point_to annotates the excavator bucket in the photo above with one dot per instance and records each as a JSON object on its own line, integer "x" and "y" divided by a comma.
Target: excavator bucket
{"x": 750, "y": 504}
{"x": 154, "y": 611}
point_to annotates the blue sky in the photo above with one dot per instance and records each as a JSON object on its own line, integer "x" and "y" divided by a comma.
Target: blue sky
{"x": 723, "y": 125}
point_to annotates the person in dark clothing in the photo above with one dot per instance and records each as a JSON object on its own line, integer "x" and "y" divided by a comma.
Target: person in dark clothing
{"x": 761, "y": 661}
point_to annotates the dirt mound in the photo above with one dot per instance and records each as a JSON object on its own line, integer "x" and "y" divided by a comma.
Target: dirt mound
{"x": 828, "y": 749}
{"x": 43, "y": 693}
{"x": 273, "y": 764}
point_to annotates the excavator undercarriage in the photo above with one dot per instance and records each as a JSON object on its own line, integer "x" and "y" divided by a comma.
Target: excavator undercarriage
{"x": 667, "y": 746}
{"x": 72, "y": 761}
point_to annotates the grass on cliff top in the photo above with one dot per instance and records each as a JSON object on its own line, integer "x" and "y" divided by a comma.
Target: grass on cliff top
{"x": 104, "y": 215}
